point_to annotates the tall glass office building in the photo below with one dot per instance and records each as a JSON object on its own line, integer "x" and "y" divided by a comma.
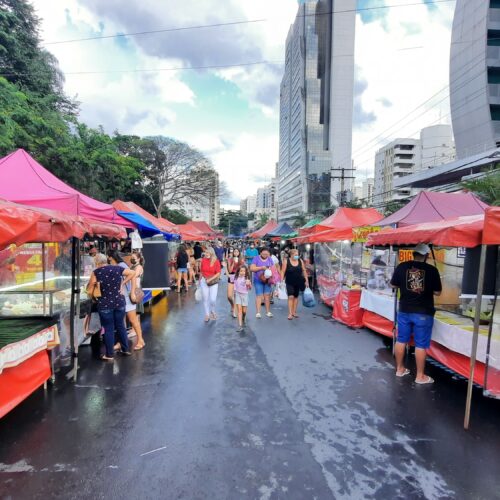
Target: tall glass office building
{"x": 315, "y": 115}
{"x": 475, "y": 76}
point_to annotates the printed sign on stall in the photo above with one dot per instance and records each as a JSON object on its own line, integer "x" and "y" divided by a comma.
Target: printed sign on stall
{"x": 360, "y": 234}
{"x": 405, "y": 255}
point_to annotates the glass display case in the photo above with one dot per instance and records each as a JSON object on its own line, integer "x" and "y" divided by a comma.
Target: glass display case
{"x": 35, "y": 280}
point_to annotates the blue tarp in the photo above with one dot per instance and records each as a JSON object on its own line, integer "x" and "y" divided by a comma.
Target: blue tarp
{"x": 146, "y": 229}
{"x": 281, "y": 230}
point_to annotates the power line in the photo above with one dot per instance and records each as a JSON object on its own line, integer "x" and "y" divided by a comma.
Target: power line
{"x": 234, "y": 23}
{"x": 156, "y": 70}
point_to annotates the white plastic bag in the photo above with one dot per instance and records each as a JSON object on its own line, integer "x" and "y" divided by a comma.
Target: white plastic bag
{"x": 198, "y": 295}
{"x": 282, "y": 294}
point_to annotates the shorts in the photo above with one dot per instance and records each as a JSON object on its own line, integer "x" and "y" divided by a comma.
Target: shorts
{"x": 129, "y": 306}
{"x": 418, "y": 324}
{"x": 241, "y": 299}
{"x": 262, "y": 288}
{"x": 182, "y": 270}
{"x": 294, "y": 289}
{"x": 230, "y": 278}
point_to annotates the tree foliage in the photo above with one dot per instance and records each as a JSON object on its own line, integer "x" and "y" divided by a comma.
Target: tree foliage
{"x": 233, "y": 222}
{"x": 36, "y": 115}
{"x": 486, "y": 187}
{"x": 173, "y": 172}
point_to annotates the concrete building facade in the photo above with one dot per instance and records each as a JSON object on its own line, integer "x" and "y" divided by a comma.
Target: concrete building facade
{"x": 207, "y": 209}
{"x": 315, "y": 105}
{"x": 436, "y": 146}
{"x": 397, "y": 159}
{"x": 475, "y": 76}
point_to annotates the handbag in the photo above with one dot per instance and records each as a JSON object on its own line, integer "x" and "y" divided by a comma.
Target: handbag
{"x": 138, "y": 296}
{"x": 198, "y": 295}
{"x": 212, "y": 282}
{"x": 96, "y": 291}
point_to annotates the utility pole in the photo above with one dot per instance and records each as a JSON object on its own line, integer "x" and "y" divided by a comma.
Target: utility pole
{"x": 342, "y": 178}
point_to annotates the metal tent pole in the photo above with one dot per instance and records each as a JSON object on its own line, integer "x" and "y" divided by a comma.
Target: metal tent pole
{"x": 475, "y": 335}
{"x": 73, "y": 304}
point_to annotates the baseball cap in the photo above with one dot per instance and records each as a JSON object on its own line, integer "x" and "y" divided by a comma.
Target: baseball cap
{"x": 422, "y": 249}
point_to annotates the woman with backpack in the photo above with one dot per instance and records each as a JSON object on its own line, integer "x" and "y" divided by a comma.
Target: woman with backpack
{"x": 294, "y": 273}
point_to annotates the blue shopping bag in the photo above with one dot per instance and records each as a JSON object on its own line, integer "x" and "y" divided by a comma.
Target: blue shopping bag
{"x": 308, "y": 299}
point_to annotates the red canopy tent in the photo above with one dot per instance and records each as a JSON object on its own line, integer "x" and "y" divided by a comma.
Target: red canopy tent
{"x": 491, "y": 232}
{"x": 460, "y": 232}
{"x": 339, "y": 225}
{"x": 344, "y": 218}
{"x": 159, "y": 222}
{"x": 467, "y": 232}
{"x": 266, "y": 228}
{"x": 428, "y": 206}
{"x": 22, "y": 224}
{"x": 203, "y": 227}
{"x": 191, "y": 233}
{"x": 23, "y": 180}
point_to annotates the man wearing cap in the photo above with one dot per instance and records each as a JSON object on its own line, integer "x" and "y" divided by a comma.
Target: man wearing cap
{"x": 418, "y": 282}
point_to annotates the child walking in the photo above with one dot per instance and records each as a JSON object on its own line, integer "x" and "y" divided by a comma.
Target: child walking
{"x": 242, "y": 285}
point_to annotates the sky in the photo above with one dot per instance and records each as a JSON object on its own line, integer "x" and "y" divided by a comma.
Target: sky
{"x": 141, "y": 85}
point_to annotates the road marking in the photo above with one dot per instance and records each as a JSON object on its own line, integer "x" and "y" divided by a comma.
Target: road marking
{"x": 153, "y": 451}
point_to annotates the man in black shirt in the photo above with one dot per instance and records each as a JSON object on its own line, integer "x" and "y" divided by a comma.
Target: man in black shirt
{"x": 418, "y": 282}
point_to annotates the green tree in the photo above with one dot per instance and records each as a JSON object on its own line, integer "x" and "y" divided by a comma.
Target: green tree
{"x": 394, "y": 206}
{"x": 263, "y": 219}
{"x": 233, "y": 222}
{"x": 173, "y": 171}
{"x": 300, "y": 220}
{"x": 354, "y": 204}
{"x": 486, "y": 187}
{"x": 175, "y": 216}
{"x": 23, "y": 61}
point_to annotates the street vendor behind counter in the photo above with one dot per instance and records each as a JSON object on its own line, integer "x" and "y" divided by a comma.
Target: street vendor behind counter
{"x": 418, "y": 283}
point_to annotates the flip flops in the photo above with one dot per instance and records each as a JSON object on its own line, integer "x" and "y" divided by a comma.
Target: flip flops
{"x": 406, "y": 372}
{"x": 427, "y": 380}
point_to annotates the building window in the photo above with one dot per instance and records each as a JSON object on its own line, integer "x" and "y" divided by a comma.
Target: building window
{"x": 495, "y": 112}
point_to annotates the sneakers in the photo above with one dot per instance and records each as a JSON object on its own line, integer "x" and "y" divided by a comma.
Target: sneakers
{"x": 239, "y": 329}
{"x": 258, "y": 316}
{"x": 269, "y": 314}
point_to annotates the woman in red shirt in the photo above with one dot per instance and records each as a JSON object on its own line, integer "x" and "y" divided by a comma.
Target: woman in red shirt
{"x": 209, "y": 283}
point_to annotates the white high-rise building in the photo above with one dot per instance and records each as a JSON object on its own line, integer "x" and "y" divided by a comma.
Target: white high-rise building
{"x": 316, "y": 103}
{"x": 251, "y": 204}
{"x": 475, "y": 76}
{"x": 399, "y": 158}
{"x": 206, "y": 209}
{"x": 367, "y": 191}
{"x": 436, "y": 146}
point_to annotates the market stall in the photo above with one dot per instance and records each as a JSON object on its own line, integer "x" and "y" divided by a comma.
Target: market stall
{"x": 466, "y": 339}
{"x": 266, "y": 228}
{"x": 338, "y": 256}
{"x": 23, "y": 180}
{"x": 378, "y": 301}
{"x": 33, "y": 298}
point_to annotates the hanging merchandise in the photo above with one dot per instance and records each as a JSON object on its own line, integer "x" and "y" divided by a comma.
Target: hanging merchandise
{"x": 136, "y": 240}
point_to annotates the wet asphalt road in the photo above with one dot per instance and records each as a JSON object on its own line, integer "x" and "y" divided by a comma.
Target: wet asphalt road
{"x": 291, "y": 409}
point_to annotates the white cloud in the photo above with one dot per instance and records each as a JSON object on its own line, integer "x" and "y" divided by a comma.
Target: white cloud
{"x": 148, "y": 103}
{"x": 397, "y": 71}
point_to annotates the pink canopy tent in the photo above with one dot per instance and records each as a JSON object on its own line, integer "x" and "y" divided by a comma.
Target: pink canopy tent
{"x": 430, "y": 207}
{"x": 23, "y": 180}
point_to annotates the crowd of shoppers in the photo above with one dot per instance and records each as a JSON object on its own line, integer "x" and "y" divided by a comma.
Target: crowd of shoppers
{"x": 115, "y": 285}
